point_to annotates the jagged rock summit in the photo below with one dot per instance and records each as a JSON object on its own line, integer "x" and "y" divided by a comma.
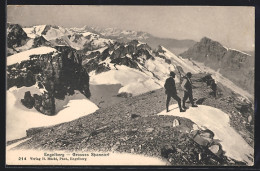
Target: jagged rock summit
{"x": 16, "y": 36}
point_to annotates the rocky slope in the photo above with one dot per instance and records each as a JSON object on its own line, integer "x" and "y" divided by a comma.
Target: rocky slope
{"x": 56, "y": 74}
{"x": 133, "y": 126}
{"x": 233, "y": 64}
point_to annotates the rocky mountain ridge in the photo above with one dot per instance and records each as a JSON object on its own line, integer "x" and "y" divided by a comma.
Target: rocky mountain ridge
{"x": 230, "y": 63}
{"x": 128, "y": 54}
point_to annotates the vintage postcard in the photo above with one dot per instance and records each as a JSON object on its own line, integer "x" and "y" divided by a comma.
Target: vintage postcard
{"x": 130, "y": 85}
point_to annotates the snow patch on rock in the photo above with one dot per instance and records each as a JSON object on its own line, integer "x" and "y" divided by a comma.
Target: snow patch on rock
{"x": 186, "y": 65}
{"x": 23, "y": 56}
{"x": 132, "y": 80}
{"x": 19, "y": 118}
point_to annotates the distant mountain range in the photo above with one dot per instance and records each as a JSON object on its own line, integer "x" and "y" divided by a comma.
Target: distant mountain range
{"x": 174, "y": 45}
{"x": 80, "y": 38}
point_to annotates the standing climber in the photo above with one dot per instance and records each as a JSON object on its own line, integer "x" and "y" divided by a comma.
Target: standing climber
{"x": 187, "y": 87}
{"x": 170, "y": 90}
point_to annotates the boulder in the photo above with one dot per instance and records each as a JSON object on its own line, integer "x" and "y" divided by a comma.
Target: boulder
{"x": 133, "y": 116}
{"x": 28, "y": 100}
{"x": 195, "y": 127}
{"x": 201, "y": 140}
{"x": 45, "y": 103}
{"x": 207, "y": 133}
{"x": 166, "y": 151}
{"x": 216, "y": 149}
{"x": 203, "y": 137}
{"x": 201, "y": 100}
{"x": 125, "y": 95}
{"x": 243, "y": 107}
{"x": 149, "y": 130}
{"x": 175, "y": 123}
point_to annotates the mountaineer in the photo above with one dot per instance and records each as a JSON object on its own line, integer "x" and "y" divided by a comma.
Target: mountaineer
{"x": 187, "y": 87}
{"x": 171, "y": 92}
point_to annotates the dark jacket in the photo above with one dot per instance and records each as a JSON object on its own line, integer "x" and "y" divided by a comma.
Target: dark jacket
{"x": 170, "y": 87}
{"x": 187, "y": 84}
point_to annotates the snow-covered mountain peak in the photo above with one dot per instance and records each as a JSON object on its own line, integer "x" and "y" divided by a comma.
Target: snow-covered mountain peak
{"x": 48, "y": 31}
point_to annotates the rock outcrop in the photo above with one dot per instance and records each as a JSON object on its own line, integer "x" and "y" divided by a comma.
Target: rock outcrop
{"x": 57, "y": 74}
{"x": 28, "y": 100}
{"x": 128, "y": 54}
{"x": 40, "y": 41}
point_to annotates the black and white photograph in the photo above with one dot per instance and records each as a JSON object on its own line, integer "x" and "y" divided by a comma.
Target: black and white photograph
{"x": 130, "y": 85}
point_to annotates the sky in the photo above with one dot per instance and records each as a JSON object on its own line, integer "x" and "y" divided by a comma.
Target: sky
{"x": 233, "y": 27}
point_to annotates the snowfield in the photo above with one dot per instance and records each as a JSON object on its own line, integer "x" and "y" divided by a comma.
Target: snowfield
{"x": 185, "y": 64}
{"x": 132, "y": 80}
{"x": 233, "y": 144}
{"x": 160, "y": 68}
{"x": 23, "y": 56}
{"x": 34, "y": 31}
{"x": 100, "y": 50}
{"x": 19, "y": 118}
